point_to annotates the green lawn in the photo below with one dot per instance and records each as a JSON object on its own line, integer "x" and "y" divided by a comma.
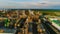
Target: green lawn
{"x": 57, "y": 22}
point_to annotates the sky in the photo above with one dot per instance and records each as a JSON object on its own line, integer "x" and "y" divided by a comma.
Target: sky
{"x": 38, "y": 4}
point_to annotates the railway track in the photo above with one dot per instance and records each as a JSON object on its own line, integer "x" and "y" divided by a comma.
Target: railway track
{"x": 49, "y": 28}
{"x": 33, "y": 27}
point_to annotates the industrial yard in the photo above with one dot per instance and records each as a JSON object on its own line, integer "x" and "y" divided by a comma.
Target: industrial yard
{"x": 29, "y": 21}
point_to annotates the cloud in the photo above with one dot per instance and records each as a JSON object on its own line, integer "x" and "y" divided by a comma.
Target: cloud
{"x": 33, "y": 4}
